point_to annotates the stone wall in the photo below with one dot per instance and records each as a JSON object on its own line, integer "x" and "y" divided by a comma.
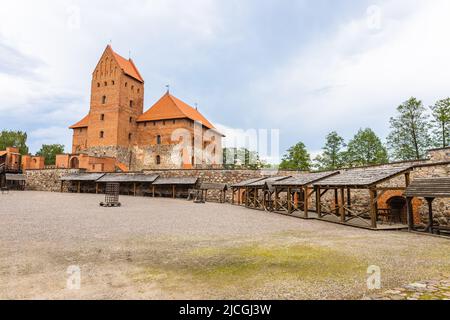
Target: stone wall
{"x": 46, "y": 179}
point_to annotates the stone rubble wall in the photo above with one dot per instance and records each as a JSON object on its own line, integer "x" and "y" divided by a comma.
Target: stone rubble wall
{"x": 47, "y": 179}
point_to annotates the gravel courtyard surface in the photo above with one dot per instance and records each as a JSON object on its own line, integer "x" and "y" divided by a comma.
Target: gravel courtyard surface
{"x": 174, "y": 249}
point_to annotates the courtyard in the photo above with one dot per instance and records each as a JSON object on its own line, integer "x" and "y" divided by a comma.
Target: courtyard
{"x": 155, "y": 248}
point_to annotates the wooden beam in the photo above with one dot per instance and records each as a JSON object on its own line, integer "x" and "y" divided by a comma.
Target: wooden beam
{"x": 306, "y": 203}
{"x": 407, "y": 179}
{"x": 430, "y": 215}
{"x": 233, "y": 191}
{"x": 342, "y": 205}
{"x": 96, "y": 188}
{"x": 373, "y": 208}
{"x": 79, "y": 187}
{"x": 62, "y": 185}
{"x": 336, "y": 201}
{"x": 173, "y": 191}
{"x": 349, "y": 198}
{"x": 153, "y": 191}
{"x": 318, "y": 204}
{"x": 277, "y": 197}
{"x": 289, "y": 200}
{"x": 134, "y": 189}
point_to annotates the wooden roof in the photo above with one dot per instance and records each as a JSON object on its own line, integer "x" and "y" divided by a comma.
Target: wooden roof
{"x": 429, "y": 188}
{"x": 15, "y": 177}
{"x": 363, "y": 177}
{"x": 213, "y": 186}
{"x": 262, "y": 183}
{"x": 128, "y": 177}
{"x": 82, "y": 177}
{"x": 176, "y": 181}
{"x": 246, "y": 182}
{"x": 304, "y": 179}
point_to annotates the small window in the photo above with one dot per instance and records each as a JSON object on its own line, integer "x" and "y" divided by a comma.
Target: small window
{"x": 102, "y": 134}
{"x": 154, "y": 123}
{"x": 98, "y": 84}
{"x": 131, "y": 103}
{"x": 113, "y": 82}
{"x": 174, "y": 121}
{"x": 104, "y": 99}
{"x": 158, "y": 139}
{"x": 102, "y": 117}
{"x": 130, "y": 136}
{"x": 106, "y": 83}
{"x": 132, "y": 88}
{"x": 164, "y": 123}
{"x": 126, "y": 84}
{"x": 158, "y": 160}
{"x": 138, "y": 90}
{"x": 131, "y": 119}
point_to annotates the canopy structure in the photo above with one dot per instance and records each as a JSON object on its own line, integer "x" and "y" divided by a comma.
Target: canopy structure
{"x": 170, "y": 186}
{"x": 130, "y": 183}
{"x": 369, "y": 178}
{"x": 13, "y": 181}
{"x": 81, "y": 181}
{"x": 15, "y": 177}
{"x": 238, "y": 190}
{"x": 82, "y": 177}
{"x": 298, "y": 192}
{"x": 430, "y": 189}
{"x": 206, "y": 187}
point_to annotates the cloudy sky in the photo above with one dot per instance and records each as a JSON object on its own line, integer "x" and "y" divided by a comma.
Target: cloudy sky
{"x": 303, "y": 67}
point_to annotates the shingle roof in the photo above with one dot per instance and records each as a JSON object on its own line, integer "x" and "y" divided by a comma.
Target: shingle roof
{"x": 83, "y": 123}
{"x": 305, "y": 179}
{"x": 128, "y": 177}
{"x": 429, "y": 188}
{"x": 262, "y": 183}
{"x": 170, "y": 107}
{"x": 213, "y": 186}
{"x": 176, "y": 181}
{"x": 82, "y": 177}
{"x": 246, "y": 182}
{"x": 127, "y": 66}
{"x": 15, "y": 177}
{"x": 363, "y": 177}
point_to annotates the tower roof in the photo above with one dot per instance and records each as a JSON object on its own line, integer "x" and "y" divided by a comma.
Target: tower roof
{"x": 83, "y": 123}
{"x": 127, "y": 66}
{"x": 170, "y": 107}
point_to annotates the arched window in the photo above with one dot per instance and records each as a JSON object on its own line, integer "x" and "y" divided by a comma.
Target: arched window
{"x": 98, "y": 84}
{"x": 106, "y": 83}
{"x": 158, "y": 139}
{"x": 113, "y": 82}
{"x": 104, "y": 99}
{"x": 131, "y": 103}
{"x": 158, "y": 160}
{"x": 131, "y": 119}
{"x": 102, "y": 134}
{"x": 126, "y": 84}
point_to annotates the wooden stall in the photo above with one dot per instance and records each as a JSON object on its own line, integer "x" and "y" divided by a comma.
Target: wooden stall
{"x": 429, "y": 189}
{"x": 81, "y": 182}
{"x": 174, "y": 187}
{"x": 220, "y": 188}
{"x": 130, "y": 183}
{"x": 15, "y": 181}
{"x": 259, "y": 193}
{"x": 342, "y": 209}
{"x": 294, "y": 194}
{"x": 238, "y": 191}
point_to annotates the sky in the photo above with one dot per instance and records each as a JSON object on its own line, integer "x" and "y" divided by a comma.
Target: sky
{"x": 301, "y": 68}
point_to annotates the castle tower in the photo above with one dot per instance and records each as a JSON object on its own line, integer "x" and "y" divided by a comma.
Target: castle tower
{"x": 117, "y": 100}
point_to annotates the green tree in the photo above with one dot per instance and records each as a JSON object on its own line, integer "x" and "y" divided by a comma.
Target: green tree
{"x": 441, "y": 123}
{"x": 241, "y": 158}
{"x": 332, "y": 155}
{"x": 366, "y": 149}
{"x": 297, "y": 158}
{"x": 49, "y": 152}
{"x": 409, "y": 138}
{"x": 16, "y": 139}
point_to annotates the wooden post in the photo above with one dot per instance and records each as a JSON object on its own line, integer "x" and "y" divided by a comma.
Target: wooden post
{"x": 336, "y": 201}
{"x": 349, "y": 198}
{"x": 430, "y": 215}
{"x": 373, "y": 208}
{"x": 153, "y": 191}
{"x": 134, "y": 189}
{"x": 407, "y": 179}
{"x": 342, "y": 205}
{"x": 318, "y": 204}
{"x": 410, "y": 214}
{"x": 96, "y": 188}
{"x": 306, "y": 201}
{"x": 232, "y": 195}
{"x": 277, "y": 197}
{"x": 255, "y": 198}
{"x": 289, "y": 200}
{"x": 173, "y": 191}
{"x": 62, "y": 185}
{"x": 79, "y": 186}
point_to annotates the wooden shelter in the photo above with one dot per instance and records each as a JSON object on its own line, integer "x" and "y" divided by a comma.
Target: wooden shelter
{"x": 298, "y": 191}
{"x": 173, "y": 187}
{"x": 82, "y": 182}
{"x": 214, "y": 187}
{"x": 370, "y": 179}
{"x": 238, "y": 195}
{"x": 430, "y": 189}
{"x": 258, "y": 193}
{"x": 130, "y": 183}
{"x": 15, "y": 181}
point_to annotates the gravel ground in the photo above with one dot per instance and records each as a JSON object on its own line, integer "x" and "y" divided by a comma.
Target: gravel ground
{"x": 168, "y": 249}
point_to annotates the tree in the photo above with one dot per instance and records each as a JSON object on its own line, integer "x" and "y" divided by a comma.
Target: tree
{"x": 366, "y": 149}
{"x": 49, "y": 152}
{"x": 16, "y": 139}
{"x": 441, "y": 123}
{"x": 409, "y": 138}
{"x": 297, "y": 158}
{"x": 332, "y": 155}
{"x": 242, "y": 158}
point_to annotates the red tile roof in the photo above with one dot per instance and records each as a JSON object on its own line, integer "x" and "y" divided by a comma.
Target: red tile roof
{"x": 127, "y": 66}
{"x": 83, "y": 123}
{"x": 170, "y": 107}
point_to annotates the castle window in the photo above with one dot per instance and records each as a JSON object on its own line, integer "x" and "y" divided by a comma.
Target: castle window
{"x": 131, "y": 103}
{"x": 158, "y": 139}
{"x": 145, "y": 124}
{"x": 174, "y": 121}
{"x": 138, "y": 90}
{"x": 102, "y": 134}
{"x": 113, "y": 82}
{"x": 104, "y": 99}
{"x": 158, "y": 160}
{"x": 130, "y": 136}
{"x": 126, "y": 84}
{"x": 154, "y": 123}
{"x": 132, "y": 88}
{"x": 131, "y": 119}
{"x": 106, "y": 84}
{"x": 164, "y": 123}
{"x": 98, "y": 84}
{"x": 102, "y": 117}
